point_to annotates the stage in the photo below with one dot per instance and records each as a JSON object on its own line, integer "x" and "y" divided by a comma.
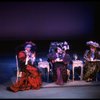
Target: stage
{"x": 43, "y": 23}
{"x": 70, "y": 90}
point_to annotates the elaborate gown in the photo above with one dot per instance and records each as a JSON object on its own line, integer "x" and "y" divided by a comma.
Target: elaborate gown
{"x": 31, "y": 78}
{"x": 91, "y": 68}
{"x": 59, "y": 69}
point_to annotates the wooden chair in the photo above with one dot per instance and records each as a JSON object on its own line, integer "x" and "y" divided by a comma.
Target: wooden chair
{"x": 19, "y": 73}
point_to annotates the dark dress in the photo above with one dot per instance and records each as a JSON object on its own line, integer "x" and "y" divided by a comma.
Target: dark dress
{"x": 59, "y": 69}
{"x": 31, "y": 78}
{"x": 91, "y": 68}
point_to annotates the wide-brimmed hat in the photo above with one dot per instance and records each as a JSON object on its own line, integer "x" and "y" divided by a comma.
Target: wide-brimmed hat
{"x": 94, "y": 44}
{"x": 30, "y": 45}
{"x": 65, "y": 46}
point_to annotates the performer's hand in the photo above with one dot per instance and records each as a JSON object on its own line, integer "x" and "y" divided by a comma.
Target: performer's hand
{"x": 58, "y": 60}
{"x": 27, "y": 59}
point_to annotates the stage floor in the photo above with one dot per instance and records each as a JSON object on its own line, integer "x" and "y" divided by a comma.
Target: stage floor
{"x": 71, "y": 84}
{"x": 72, "y": 89}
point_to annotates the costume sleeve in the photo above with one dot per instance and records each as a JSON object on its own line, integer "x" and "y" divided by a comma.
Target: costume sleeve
{"x": 51, "y": 57}
{"x": 67, "y": 59}
{"x": 21, "y": 56}
{"x": 86, "y": 55}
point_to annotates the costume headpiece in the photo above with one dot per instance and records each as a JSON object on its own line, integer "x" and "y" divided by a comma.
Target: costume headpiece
{"x": 94, "y": 44}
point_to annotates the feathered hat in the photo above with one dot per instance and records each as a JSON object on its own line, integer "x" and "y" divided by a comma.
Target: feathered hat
{"x": 94, "y": 44}
{"x": 31, "y": 45}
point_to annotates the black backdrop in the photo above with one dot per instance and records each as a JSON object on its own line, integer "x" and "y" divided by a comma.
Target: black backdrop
{"x": 9, "y": 41}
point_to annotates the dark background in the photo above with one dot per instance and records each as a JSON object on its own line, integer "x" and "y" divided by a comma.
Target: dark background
{"x": 43, "y": 22}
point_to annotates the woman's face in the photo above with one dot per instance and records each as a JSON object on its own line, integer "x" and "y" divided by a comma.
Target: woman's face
{"x": 93, "y": 49}
{"x": 59, "y": 50}
{"x": 28, "y": 49}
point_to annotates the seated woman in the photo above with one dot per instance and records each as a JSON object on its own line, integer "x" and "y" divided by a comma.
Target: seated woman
{"x": 59, "y": 60}
{"x": 92, "y": 61}
{"x": 31, "y": 78}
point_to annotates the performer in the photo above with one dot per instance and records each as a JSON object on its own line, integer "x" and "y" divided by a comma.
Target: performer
{"x": 59, "y": 60}
{"x": 31, "y": 78}
{"x": 92, "y": 61}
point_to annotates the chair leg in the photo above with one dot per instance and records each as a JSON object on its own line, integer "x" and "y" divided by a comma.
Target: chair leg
{"x": 68, "y": 73}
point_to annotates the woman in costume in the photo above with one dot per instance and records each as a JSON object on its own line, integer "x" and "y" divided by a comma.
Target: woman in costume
{"x": 31, "y": 77}
{"x": 92, "y": 61}
{"x": 59, "y": 60}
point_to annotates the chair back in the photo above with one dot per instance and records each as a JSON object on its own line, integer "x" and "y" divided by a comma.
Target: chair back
{"x": 19, "y": 73}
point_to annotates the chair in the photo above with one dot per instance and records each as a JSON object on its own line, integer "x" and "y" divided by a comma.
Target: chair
{"x": 19, "y": 73}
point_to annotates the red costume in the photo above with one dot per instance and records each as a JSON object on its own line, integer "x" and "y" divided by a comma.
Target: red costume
{"x": 31, "y": 78}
